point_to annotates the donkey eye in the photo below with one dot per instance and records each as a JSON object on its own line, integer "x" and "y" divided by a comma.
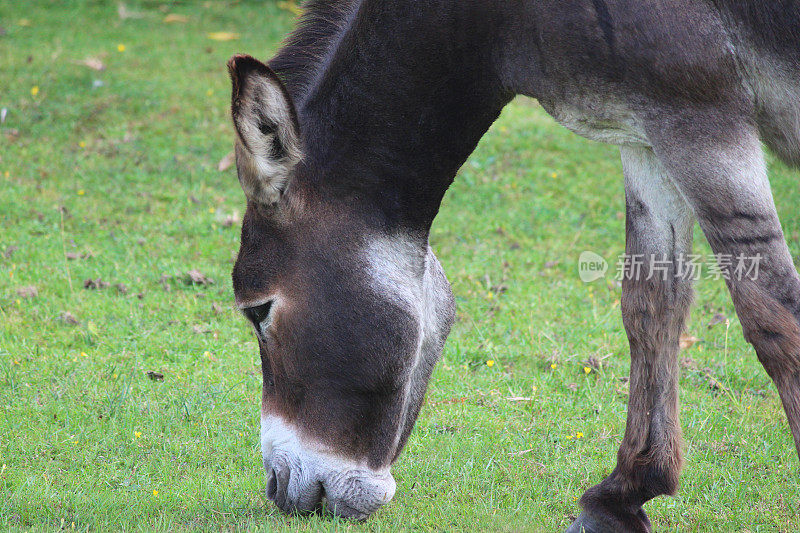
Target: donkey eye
{"x": 258, "y": 314}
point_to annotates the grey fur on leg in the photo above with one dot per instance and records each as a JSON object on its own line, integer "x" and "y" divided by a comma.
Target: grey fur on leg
{"x": 656, "y": 297}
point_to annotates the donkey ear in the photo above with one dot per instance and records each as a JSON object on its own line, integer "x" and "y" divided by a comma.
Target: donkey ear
{"x": 265, "y": 119}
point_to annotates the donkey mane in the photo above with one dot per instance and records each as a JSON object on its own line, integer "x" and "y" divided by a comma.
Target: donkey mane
{"x": 308, "y": 47}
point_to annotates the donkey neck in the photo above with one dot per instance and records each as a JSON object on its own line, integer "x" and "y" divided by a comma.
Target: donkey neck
{"x": 399, "y": 102}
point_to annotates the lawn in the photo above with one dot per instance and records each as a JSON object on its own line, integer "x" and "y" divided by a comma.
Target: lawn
{"x": 111, "y": 195}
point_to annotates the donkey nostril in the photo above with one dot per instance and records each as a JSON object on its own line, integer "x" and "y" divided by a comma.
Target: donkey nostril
{"x": 272, "y": 486}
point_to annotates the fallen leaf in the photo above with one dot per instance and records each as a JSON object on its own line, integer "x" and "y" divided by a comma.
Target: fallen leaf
{"x": 687, "y": 341}
{"x": 551, "y": 264}
{"x": 28, "y": 292}
{"x": 291, "y": 6}
{"x": 689, "y": 363}
{"x": 121, "y": 288}
{"x": 95, "y": 284}
{"x": 72, "y": 256}
{"x": 93, "y": 63}
{"x": 199, "y": 330}
{"x": 10, "y": 251}
{"x": 573, "y": 387}
{"x": 226, "y": 162}
{"x": 195, "y": 277}
{"x": 595, "y": 363}
{"x": 520, "y": 399}
{"x": 523, "y": 452}
{"x": 155, "y": 376}
{"x": 174, "y": 17}
{"x": 68, "y": 318}
{"x": 231, "y": 219}
{"x": 216, "y": 308}
{"x": 223, "y": 36}
{"x": 719, "y": 318}
{"x": 125, "y": 13}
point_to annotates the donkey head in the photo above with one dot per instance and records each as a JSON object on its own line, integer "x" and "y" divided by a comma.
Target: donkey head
{"x": 350, "y": 317}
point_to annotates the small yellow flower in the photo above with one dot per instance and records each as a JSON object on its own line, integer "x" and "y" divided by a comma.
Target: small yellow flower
{"x": 34, "y": 90}
{"x": 553, "y": 366}
{"x": 210, "y": 92}
{"x": 212, "y": 210}
{"x": 82, "y": 144}
{"x": 587, "y": 369}
{"x": 114, "y": 375}
{"x": 74, "y": 442}
{"x": 74, "y": 359}
{"x": 569, "y": 437}
{"x": 81, "y": 192}
{"x": 83, "y": 354}
{"x": 155, "y": 492}
{"x": 120, "y": 48}
{"x": 534, "y": 388}
{"x": 579, "y": 435}
{"x": 207, "y": 354}
{"x": 554, "y": 175}
{"x": 489, "y": 363}
{"x": 137, "y": 434}
{"x": 8, "y": 174}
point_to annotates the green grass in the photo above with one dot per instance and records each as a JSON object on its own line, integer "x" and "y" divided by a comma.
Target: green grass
{"x": 123, "y": 176}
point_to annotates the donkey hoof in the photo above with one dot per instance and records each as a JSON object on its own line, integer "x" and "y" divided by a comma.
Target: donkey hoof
{"x": 597, "y": 523}
{"x": 587, "y": 524}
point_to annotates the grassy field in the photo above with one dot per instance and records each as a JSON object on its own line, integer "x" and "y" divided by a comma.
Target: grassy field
{"x": 112, "y": 176}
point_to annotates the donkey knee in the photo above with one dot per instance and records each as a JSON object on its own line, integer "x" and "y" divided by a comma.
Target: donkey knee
{"x": 654, "y": 312}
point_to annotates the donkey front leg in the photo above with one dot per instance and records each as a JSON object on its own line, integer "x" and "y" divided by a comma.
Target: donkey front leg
{"x": 656, "y": 296}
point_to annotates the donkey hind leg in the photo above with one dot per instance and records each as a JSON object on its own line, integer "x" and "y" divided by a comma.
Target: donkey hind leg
{"x": 656, "y": 296}
{"x": 733, "y": 202}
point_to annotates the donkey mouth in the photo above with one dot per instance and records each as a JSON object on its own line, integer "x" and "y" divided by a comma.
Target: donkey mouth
{"x": 351, "y": 494}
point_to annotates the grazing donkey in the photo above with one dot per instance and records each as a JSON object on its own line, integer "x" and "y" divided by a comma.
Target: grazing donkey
{"x": 348, "y": 140}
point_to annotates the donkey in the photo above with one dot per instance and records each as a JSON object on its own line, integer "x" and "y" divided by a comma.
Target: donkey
{"x": 348, "y": 140}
